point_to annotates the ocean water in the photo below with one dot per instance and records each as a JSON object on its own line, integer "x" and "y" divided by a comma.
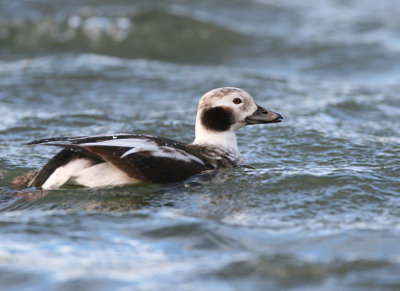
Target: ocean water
{"x": 318, "y": 208}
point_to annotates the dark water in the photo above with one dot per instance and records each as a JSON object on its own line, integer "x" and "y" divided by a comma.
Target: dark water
{"x": 318, "y": 210}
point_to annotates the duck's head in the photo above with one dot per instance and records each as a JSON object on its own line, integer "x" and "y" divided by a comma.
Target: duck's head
{"x": 222, "y": 111}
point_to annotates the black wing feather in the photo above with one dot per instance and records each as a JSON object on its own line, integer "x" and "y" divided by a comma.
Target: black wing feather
{"x": 84, "y": 139}
{"x": 62, "y": 158}
{"x": 142, "y": 165}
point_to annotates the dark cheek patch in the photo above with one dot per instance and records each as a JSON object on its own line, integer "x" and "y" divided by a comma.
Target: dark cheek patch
{"x": 217, "y": 118}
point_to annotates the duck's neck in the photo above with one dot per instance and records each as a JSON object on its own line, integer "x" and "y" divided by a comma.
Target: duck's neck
{"x": 225, "y": 140}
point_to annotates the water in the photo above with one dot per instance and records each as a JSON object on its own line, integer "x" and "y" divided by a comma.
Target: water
{"x": 319, "y": 208}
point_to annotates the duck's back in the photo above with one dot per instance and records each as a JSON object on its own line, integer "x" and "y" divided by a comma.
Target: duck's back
{"x": 120, "y": 159}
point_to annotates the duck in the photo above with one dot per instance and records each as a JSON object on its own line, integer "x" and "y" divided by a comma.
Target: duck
{"x": 118, "y": 159}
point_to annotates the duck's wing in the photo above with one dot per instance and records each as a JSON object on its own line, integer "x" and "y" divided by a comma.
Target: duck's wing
{"x": 143, "y": 157}
{"x": 64, "y": 157}
{"x": 82, "y": 139}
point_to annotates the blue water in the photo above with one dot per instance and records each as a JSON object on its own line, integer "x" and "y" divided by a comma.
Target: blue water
{"x": 319, "y": 206}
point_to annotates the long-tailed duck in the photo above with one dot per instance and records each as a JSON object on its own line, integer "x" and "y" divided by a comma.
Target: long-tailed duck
{"x": 96, "y": 161}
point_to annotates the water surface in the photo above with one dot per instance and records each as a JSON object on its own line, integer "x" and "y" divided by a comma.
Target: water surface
{"x": 317, "y": 209}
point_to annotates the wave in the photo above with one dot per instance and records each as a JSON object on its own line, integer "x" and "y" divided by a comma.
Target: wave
{"x": 315, "y": 38}
{"x": 152, "y": 34}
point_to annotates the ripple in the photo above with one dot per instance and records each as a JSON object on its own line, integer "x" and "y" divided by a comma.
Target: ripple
{"x": 316, "y": 207}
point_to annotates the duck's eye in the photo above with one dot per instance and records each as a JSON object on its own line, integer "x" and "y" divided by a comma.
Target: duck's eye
{"x": 237, "y": 100}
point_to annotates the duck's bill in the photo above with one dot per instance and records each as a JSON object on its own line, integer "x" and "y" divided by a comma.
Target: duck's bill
{"x": 262, "y": 116}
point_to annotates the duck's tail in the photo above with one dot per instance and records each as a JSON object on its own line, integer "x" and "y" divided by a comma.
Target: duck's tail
{"x": 24, "y": 181}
